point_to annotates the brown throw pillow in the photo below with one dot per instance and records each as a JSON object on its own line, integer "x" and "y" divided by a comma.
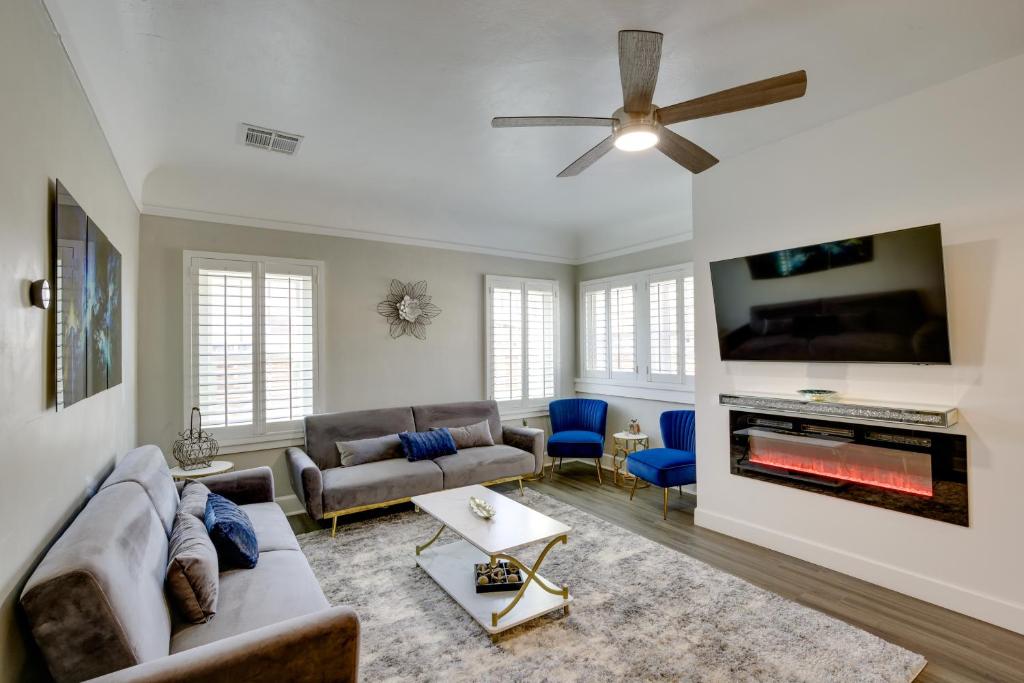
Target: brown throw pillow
{"x": 473, "y": 435}
{"x": 363, "y": 451}
{"x": 193, "y": 499}
{"x": 193, "y": 577}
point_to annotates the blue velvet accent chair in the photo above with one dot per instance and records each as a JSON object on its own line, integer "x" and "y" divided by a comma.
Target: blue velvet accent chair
{"x": 577, "y": 430}
{"x": 673, "y": 465}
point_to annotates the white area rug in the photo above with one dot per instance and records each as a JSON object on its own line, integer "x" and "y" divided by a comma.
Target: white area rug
{"x": 641, "y": 612}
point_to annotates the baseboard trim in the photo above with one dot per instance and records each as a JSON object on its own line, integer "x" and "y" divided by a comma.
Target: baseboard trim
{"x": 1003, "y": 613}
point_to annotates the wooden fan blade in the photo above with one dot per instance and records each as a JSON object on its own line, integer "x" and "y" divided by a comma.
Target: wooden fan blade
{"x": 685, "y": 153}
{"x": 757, "y": 94}
{"x": 526, "y": 121}
{"x": 591, "y": 155}
{"x": 639, "y": 59}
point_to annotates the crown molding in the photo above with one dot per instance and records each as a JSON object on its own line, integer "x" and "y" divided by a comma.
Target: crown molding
{"x": 635, "y": 247}
{"x": 314, "y": 229}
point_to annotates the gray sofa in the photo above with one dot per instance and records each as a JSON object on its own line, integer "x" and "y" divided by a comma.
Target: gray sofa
{"x": 328, "y": 490}
{"x": 96, "y": 605}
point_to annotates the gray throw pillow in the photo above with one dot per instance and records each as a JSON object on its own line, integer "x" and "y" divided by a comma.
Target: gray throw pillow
{"x": 472, "y": 436}
{"x": 193, "y": 579}
{"x": 362, "y": 451}
{"x": 193, "y": 499}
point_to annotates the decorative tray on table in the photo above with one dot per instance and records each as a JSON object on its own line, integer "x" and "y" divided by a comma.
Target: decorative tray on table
{"x": 502, "y": 577}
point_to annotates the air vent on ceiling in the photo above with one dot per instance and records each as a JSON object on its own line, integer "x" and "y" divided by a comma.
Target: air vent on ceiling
{"x": 268, "y": 138}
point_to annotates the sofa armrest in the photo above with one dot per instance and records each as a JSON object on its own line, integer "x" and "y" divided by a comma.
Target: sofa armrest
{"x": 323, "y": 646}
{"x": 254, "y": 485}
{"x": 529, "y": 439}
{"x": 307, "y": 481}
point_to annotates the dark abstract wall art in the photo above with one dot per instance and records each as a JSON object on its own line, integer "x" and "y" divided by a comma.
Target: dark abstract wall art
{"x": 103, "y": 303}
{"x": 87, "y": 278}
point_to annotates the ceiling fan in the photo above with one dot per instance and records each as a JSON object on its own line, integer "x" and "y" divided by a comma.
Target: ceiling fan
{"x": 639, "y": 124}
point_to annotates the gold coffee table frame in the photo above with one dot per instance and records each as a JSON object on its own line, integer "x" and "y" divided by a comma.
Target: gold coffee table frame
{"x": 532, "y": 574}
{"x": 624, "y": 444}
{"x": 501, "y": 537}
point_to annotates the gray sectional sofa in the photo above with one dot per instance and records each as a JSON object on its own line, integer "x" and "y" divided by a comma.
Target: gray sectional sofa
{"x": 96, "y": 604}
{"x": 329, "y": 490}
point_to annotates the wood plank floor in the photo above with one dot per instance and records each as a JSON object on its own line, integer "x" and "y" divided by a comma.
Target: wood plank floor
{"x": 958, "y": 648}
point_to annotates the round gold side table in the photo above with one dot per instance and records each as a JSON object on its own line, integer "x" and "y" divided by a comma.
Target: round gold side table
{"x": 625, "y": 443}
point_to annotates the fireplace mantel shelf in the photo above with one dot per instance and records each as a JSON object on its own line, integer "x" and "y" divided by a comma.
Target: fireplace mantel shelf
{"x": 850, "y": 408}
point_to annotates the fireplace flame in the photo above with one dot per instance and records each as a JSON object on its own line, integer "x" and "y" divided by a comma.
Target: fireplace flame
{"x": 885, "y": 468}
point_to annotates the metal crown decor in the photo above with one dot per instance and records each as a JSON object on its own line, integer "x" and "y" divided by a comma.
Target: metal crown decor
{"x": 408, "y": 309}
{"x": 194, "y": 448}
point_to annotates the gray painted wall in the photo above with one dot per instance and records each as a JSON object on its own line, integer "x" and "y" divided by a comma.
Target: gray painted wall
{"x": 362, "y": 366}
{"x": 50, "y": 461}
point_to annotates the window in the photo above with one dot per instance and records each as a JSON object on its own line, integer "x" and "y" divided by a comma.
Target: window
{"x": 637, "y": 329}
{"x": 251, "y": 345}
{"x": 522, "y": 341}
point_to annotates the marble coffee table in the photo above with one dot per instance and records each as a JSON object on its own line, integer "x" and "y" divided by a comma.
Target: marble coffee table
{"x": 513, "y": 527}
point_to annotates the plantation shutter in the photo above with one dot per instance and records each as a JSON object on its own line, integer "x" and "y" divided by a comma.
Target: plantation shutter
{"x": 540, "y": 341}
{"x": 664, "y": 328}
{"x": 506, "y": 343}
{"x": 689, "y": 336}
{"x": 288, "y": 343}
{"x": 522, "y": 351}
{"x": 223, "y": 343}
{"x": 621, "y": 325}
{"x": 252, "y": 349}
{"x": 595, "y": 325}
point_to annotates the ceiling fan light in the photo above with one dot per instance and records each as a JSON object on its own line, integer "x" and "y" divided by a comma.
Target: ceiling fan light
{"x": 636, "y": 139}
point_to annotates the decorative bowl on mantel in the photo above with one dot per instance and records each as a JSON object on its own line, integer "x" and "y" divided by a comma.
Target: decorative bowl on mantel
{"x": 818, "y": 395}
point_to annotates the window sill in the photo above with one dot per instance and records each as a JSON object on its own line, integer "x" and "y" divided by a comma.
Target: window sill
{"x": 505, "y": 414}
{"x": 650, "y": 391}
{"x": 229, "y": 446}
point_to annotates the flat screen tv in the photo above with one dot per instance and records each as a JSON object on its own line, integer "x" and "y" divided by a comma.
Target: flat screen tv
{"x": 874, "y": 299}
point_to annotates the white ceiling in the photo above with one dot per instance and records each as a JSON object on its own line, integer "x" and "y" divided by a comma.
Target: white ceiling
{"x": 395, "y": 99}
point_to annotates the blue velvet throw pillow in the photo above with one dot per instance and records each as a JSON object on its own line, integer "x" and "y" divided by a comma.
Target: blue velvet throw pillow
{"x": 427, "y": 445}
{"x": 232, "y": 534}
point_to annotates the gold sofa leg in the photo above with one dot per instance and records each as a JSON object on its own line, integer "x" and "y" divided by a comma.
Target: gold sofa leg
{"x": 522, "y": 491}
{"x": 334, "y": 526}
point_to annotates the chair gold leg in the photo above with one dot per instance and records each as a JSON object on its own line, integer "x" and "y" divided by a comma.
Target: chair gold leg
{"x": 599, "y": 480}
{"x": 334, "y": 526}
{"x": 664, "y": 512}
{"x": 633, "y": 490}
{"x": 522, "y": 492}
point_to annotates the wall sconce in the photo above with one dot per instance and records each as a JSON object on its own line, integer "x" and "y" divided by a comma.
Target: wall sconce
{"x": 39, "y": 293}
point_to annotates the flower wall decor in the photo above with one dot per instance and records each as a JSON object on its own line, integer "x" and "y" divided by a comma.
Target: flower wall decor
{"x": 408, "y": 309}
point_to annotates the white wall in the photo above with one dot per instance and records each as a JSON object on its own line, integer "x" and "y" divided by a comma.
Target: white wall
{"x": 953, "y": 154}
{"x": 362, "y": 366}
{"x": 49, "y": 461}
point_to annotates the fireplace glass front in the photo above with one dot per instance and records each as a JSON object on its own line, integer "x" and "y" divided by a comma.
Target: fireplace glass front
{"x": 911, "y": 471}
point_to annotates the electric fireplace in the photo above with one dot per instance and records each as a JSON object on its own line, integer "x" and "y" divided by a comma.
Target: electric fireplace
{"x": 916, "y": 472}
